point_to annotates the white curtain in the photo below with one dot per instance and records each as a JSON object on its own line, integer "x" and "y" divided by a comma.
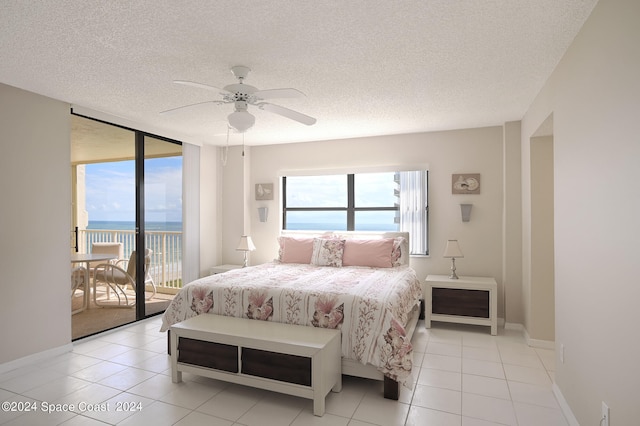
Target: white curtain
{"x": 413, "y": 209}
{"x": 190, "y": 212}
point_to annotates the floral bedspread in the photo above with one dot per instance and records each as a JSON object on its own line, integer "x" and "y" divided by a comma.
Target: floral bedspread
{"x": 369, "y": 305}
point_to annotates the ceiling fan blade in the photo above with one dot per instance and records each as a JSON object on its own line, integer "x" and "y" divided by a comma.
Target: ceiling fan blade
{"x": 169, "y": 111}
{"x": 289, "y": 113}
{"x": 201, "y": 86}
{"x": 278, "y": 93}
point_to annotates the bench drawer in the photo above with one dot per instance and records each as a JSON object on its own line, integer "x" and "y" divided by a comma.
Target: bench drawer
{"x": 208, "y": 354}
{"x": 271, "y": 365}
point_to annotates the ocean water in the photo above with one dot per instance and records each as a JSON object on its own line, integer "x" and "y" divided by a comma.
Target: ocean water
{"x": 153, "y": 238}
{"x": 176, "y": 250}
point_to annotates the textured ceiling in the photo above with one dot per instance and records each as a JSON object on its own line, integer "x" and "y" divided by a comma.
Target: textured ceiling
{"x": 367, "y": 67}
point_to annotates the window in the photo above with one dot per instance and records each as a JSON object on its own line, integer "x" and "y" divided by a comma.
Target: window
{"x": 389, "y": 201}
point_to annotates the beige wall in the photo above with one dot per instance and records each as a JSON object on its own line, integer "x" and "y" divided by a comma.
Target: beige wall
{"x": 594, "y": 95}
{"x": 512, "y": 224}
{"x": 540, "y": 318}
{"x": 35, "y": 183}
{"x": 444, "y": 153}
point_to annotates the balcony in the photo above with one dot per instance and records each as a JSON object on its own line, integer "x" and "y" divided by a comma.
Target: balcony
{"x": 166, "y": 259}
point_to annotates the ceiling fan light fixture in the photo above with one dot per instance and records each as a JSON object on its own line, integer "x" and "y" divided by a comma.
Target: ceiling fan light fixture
{"x": 243, "y": 95}
{"x": 241, "y": 121}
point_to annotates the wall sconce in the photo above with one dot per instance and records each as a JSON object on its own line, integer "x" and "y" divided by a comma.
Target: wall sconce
{"x": 263, "y": 213}
{"x": 465, "y": 209}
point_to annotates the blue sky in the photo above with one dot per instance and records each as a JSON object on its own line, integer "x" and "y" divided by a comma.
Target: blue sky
{"x": 371, "y": 190}
{"x": 111, "y": 190}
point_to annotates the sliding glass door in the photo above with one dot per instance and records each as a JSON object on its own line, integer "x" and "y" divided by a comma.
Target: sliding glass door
{"x": 162, "y": 222}
{"x": 127, "y": 192}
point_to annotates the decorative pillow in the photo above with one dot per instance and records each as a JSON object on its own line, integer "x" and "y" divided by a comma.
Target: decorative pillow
{"x": 327, "y": 252}
{"x": 396, "y": 254}
{"x": 295, "y": 250}
{"x": 375, "y": 253}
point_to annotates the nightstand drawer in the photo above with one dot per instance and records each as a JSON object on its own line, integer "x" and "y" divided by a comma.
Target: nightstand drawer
{"x": 468, "y": 303}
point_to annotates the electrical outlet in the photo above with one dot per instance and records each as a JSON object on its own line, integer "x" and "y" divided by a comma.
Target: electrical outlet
{"x": 562, "y": 353}
{"x": 604, "y": 420}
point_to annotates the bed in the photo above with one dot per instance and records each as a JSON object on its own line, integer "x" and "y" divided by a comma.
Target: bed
{"x": 360, "y": 283}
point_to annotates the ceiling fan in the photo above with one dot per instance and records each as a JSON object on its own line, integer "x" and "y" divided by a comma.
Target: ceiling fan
{"x": 243, "y": 95}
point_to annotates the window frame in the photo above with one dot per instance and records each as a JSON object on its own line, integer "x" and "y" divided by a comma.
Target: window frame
{"x": 351, "y": 209}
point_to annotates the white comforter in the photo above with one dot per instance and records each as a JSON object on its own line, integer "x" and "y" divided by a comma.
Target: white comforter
{"x": 369, "y": 305}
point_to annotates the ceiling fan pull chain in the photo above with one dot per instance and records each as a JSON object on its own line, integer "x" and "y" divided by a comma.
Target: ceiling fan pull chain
{"x": 225, "y": 152}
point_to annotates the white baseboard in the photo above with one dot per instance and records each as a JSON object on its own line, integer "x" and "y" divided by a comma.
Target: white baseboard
{"x": 537, "y": 343}
{"x": 33, "y": 358}
{"x": 546, "y": 344}
{"x": 534, "y": 343}
{"x": 513, "y": 326}
{"x": 542, "y": 344}
{"x": 564, "y": 406}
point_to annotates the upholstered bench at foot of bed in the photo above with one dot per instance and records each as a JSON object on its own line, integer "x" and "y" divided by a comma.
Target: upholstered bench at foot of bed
{"x": 356, "y": 369}
{"x": 291, "y": 359}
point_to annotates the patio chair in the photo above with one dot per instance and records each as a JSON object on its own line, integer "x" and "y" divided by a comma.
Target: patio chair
{"x": 116, "y": 249}
{"x": 109, "y": 247}
{"x": 78, "y": 277}
{"x": 115, "y": 277}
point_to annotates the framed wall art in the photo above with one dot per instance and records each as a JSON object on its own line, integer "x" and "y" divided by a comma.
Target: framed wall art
{"x": 465, "y": 183}
{"x": 264, "y": 191}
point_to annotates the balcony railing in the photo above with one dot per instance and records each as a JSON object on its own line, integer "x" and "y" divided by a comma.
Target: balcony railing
{"x": 166, "y": 259}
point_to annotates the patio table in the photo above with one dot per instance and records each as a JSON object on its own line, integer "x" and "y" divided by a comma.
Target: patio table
{"x": 87, "y": 258}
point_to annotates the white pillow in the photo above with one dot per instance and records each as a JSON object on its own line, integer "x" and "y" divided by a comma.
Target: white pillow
{"x": 327, "y": 252}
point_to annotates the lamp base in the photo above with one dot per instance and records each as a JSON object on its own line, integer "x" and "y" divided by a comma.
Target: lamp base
{"x": 453, "y": 275}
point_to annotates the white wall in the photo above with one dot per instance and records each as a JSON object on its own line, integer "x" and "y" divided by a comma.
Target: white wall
{"x": 210, "y": 211}
{"x": 235, "y": 199}
{"x": 35, "y": 216}
{"x": 594, "y": 95}
{"x": 459, "y": 151}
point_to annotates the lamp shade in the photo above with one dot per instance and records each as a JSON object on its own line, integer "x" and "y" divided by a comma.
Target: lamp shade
{"x": 241, "y": 121}
{"x": 245, "y": 244}
{"x": 452, "y": 249}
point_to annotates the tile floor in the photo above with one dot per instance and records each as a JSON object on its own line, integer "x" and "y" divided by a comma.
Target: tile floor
{"x": 463, "y": 377}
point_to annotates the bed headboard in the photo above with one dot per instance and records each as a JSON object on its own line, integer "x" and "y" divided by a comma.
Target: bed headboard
{"x": 362, "y": 235}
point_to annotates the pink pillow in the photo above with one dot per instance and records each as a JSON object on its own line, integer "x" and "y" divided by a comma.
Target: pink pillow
{"x": 295, "y": 250}
{"x": 374, "y": 253}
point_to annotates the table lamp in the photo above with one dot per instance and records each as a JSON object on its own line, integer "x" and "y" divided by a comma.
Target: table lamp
{"x": 245, "y": 245}
{"x": 452, "y": 250}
